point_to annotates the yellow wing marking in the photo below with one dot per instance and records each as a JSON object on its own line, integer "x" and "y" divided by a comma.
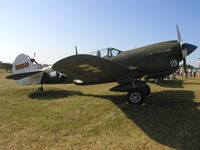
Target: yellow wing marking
{"x": 87, "y": 67}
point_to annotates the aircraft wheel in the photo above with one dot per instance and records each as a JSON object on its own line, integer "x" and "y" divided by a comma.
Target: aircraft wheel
{"x": 40, "y": 89}
{"x": 135, "y": 96}
{"x": 156, "y": 80}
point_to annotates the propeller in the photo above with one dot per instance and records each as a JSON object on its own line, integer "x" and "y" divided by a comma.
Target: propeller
{"x": 179, "y": 35}
{"x": 184, "y": 52}
{"x": 183, "y": 49}
{"x": 33, "y": 59}
{"x": 186, "y": 49}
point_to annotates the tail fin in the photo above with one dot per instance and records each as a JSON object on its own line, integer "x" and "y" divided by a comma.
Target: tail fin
{"x": 23, "y": 64}
{"x": 24, "y": 71}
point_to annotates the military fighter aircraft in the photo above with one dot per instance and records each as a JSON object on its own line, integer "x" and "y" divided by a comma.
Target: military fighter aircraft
{"x": 125, "y": 68}
{"x": 27, "y": 71}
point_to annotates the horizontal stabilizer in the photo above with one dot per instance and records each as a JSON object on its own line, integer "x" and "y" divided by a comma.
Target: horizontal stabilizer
{"x": 19, "y": 76}
{"x": 91, "y": 69}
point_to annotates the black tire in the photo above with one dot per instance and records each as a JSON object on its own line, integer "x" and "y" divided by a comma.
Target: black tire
{"x": 40, "y": 89}
{"x": 135, "y": 96}
{"x": 157, "y": 80}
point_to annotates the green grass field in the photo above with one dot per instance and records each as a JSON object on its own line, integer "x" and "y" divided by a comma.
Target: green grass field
{"x": 91, "y": 117}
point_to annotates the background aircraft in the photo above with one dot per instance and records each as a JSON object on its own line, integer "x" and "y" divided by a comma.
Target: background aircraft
{"x": 27, "y": 71}
{"x": 6, "y": 66}
{"x": 125, "y": 68}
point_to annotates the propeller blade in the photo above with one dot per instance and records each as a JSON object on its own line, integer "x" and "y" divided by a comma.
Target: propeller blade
{"x": 185, "y": 67}
{"x": 180, "y": 40}
{"x": 179, "y": 34}
{"x": 76, "y": 50}
{"x": 34, "y": 55}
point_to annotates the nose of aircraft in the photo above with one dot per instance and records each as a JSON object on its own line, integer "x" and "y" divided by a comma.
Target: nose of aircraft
{"x": 189, "y": 47}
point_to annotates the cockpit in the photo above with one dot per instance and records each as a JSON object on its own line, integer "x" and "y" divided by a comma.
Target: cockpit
{"x": 106, "y": 52}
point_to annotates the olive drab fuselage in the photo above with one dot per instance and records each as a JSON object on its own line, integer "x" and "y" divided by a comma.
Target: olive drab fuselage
{"x": 151, "y": 59}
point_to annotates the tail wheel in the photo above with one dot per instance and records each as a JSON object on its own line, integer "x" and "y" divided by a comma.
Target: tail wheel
{"x": 40, "y": 89}
{"x": 135, "y": 96}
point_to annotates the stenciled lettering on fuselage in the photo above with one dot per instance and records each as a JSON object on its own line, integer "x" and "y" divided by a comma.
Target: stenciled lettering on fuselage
{"x": 87, "y": 67}
{"x": 22, "y": 66}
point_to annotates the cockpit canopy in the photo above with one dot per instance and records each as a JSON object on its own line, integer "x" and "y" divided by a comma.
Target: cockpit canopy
{"x": 106, "y": 52}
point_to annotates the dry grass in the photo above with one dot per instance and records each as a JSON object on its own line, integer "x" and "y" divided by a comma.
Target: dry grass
{"x": 91, "y": 117}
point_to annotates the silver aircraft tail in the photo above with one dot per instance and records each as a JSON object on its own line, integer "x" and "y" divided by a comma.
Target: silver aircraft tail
{"x": 25, "y": 72}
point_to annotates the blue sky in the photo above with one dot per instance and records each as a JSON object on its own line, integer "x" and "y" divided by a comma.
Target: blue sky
{"x": 52, "y": 28}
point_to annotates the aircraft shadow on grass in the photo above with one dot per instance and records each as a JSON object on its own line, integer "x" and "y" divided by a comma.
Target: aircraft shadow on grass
{"x": 52, "y": 94}
{"x": 171, "y": 83}
{"x": 174, "y": 83}
{"x": 193, "y": 83}
{"x": 170, "y": 118}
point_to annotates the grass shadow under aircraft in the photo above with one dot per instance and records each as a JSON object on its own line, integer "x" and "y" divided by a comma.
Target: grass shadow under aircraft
{"x": 170, "y": 83}
{"x": 52, "y": 94}
{"x": 172, "y": 121}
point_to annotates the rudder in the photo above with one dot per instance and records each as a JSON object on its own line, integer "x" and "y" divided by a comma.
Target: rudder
{"x": 22, "y": 64}
{"x": 25, "y": 72}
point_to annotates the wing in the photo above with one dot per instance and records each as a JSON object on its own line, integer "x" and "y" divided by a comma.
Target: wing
{"x": 91, "y": 69}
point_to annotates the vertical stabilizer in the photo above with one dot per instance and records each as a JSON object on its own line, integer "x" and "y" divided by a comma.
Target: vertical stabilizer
{"x": 25, "y": 72}
{"x": 23, "y": 64}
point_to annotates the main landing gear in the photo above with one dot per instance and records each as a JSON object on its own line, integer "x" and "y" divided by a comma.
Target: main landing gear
{"x": 137, "y": 91}
{"x": 137, "y": 95}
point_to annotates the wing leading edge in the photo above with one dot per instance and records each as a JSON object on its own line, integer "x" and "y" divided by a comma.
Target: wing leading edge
{"x": 91, "y": 69}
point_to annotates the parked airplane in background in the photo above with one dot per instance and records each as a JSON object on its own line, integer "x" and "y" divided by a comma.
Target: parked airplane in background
{"x": 27, "y": 71}
{"x": 125, "y": 68}
{"x": 6, "y": 66}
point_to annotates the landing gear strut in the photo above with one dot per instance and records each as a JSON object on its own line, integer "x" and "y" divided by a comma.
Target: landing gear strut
{"x": 40, "y": 89}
